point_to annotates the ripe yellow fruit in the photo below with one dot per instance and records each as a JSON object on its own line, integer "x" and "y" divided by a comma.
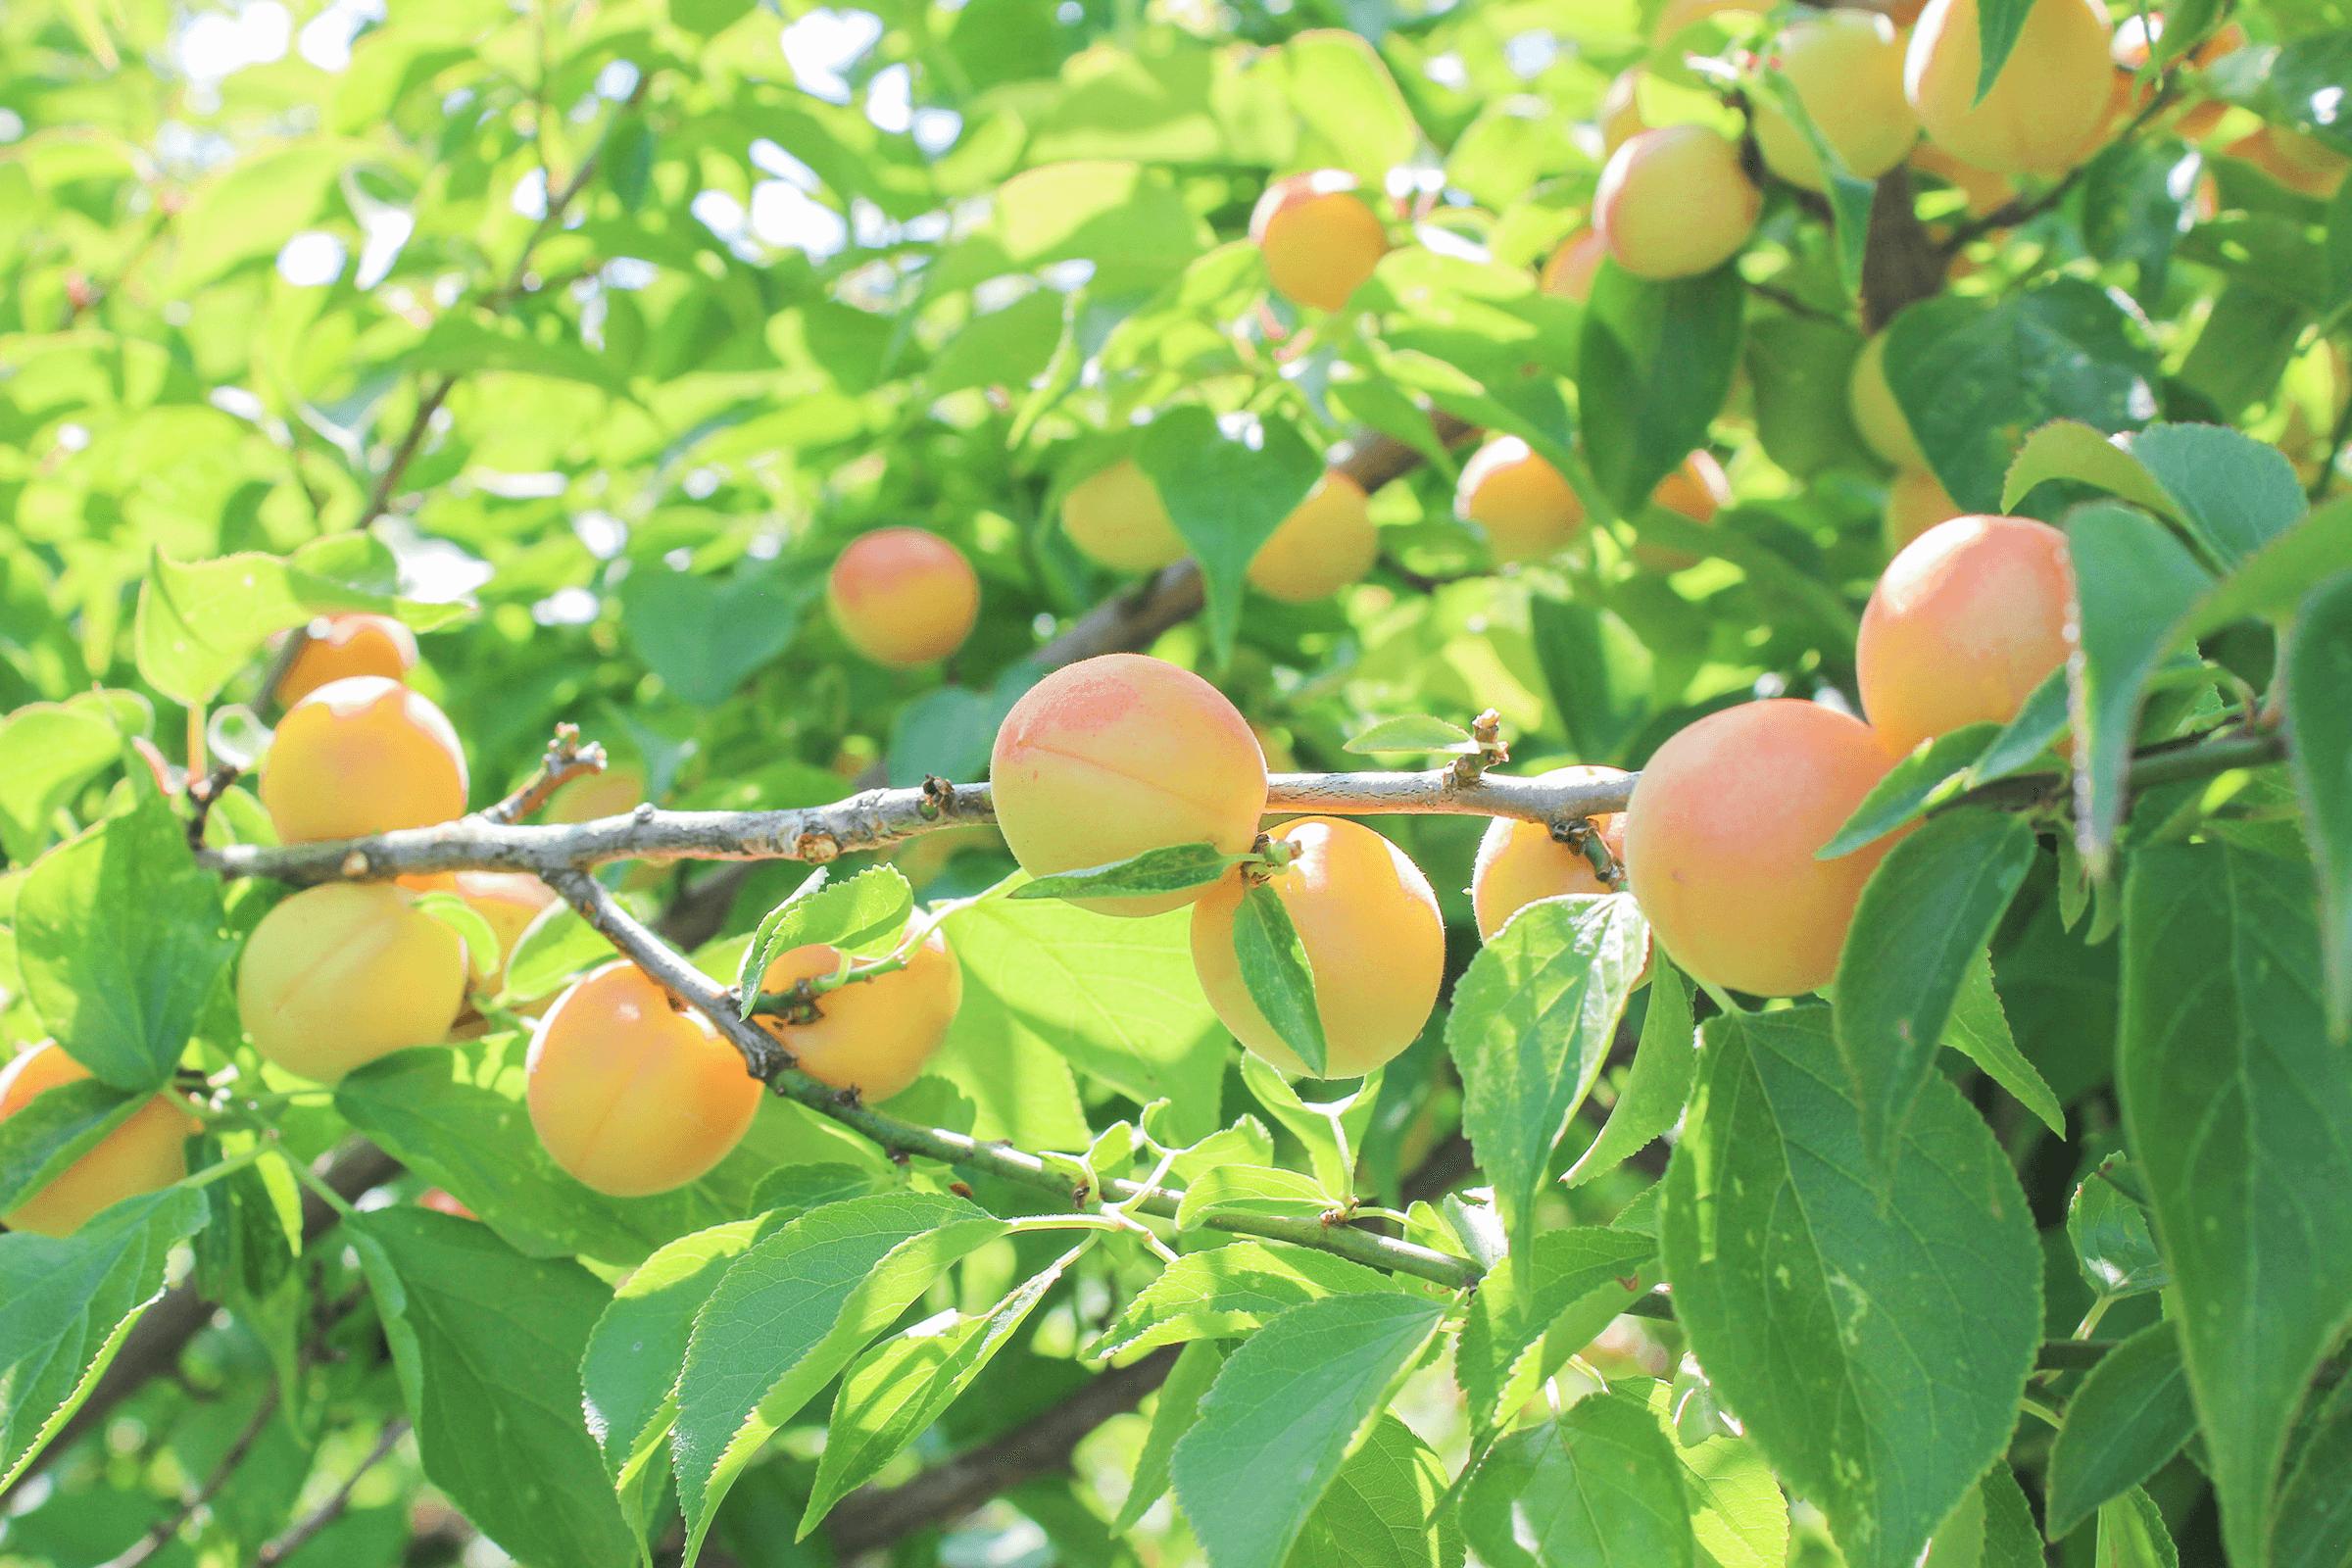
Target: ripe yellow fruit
{"x": 1877, "y": 416}
{"x": 1523, "y": 503}
{"x": 1569, "y": 273}
{"x": 144, "y": 1155}
{"x": 1319, "y": 237}
{"x": 360, "y": 756}
{"x": 2302, "y": 164}
{"x": 1116, "y": 518}
{"x": 1112, "y": 757}
{"x": 1374, "y": 942}
{"x": 1519, "y": 862}
{"x": 1721, "y": 834}
{"x": 341, "y": 974}
{"x": 631, "y": 1095}
{"x": 1847, "y": 67}
{"x": 1966, "y": 622}
{"x": 1327, "y": 541}
{"x": 1916, "y": 501}
{"x": 335, "y": 647}
{"x": 2045, "y": 105}
{"x": 873, "y": 1035}
{"x": 903, "y": 597}
{"x": 1674, "y": 202}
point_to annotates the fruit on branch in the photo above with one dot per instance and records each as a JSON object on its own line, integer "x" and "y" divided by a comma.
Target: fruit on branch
{"x": 1965, "y": 622}
{"x": 1674, "y": 202}
{"x": 335, "y": 647}
{"x": 2045, "y": 105}
{"x": 1373, "y": 937}
{"x": 1847, "y": 67}
{"x": 611, "y": 793}
{"x": 340, "y": 975}
{"x": 903, "y": 597}
{"x": 1116, "y": 518}
{"x": 1523, "y": 503}
{"x": 360, "y": 756}
{"x": 1697, "y": 489}
{"x": 1319, "y": 237}
{"x": 1877, "y": 416}
{"x": 1519, "y": 862}
{"x": 144, "y": 1155}
{"x": 873, "y": 1035}
{"x": 1113, "y": 755}
{"x": 632, "y": 1093}
{"x": 1327, "y": 541}
{"x": 2302, "y": 164}
{"x": 1620, "y": 113}
{"x": 1982, "y": 190}
{"x": 1720, "y": 838}
{"x": 1916, "y": 501}
{"x": 508, "y": 901}
{"x": 1569, "y": 274}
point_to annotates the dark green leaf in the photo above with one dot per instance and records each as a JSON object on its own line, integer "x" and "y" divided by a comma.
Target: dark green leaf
{"x": 2315, "y": 1508}
{"x": 862, "y": 917}
{"x": 1281, "y": 981}
{"x": 1597, "y": 1487}
{"x": 2132, "y": 1413}
{"x": 1227, "y": 487}
{"x": 2133, "y": 1535}
{"x": 1164, "y": 870}
{"x": 39, "y": 1141}
{"x": 1978, "y": 1029}
{"x": 2318, "y": 672}
{"x": 1933, "y": 773}
{"x": 1658, "y": 1083}
{"x": 1666, "y": 353}
{"x": 2234, "y": 493}
{"x": 2109, "y": 1230}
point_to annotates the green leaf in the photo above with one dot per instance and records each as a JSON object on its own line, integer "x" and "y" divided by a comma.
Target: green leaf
{"x": 2236, "y": 1104}
{"x": 1378, "y": 1511}
{"x": 1172, "y": 1416}
{"x": 897, "y": 1389}
{"x": 2132, "y": 1534}
{"x": 1290, "y": 1403}
{"x": 1225, "y": 1292}
{"x": 1999, "y": 23}
{"x": 1228, "y": 484}
{"x": 1974, "y": 375}
{"x": 2315, "y": 1508}
{"x": 120, "y": 942}
{"x": 2276, "y": 578}
{"x": 1280, "y": 978}
{"x": 2133, "y": 583}
{"x": 473, "y": 929}
{"x": 2113, "y": 1246}
{"x": 1978, "y": 1029}
{"x": 1341, "y": 93}
{"x": 553, "y": 950}
{"x": 254, "y": 206}
{"x": 862, "y": 917}
{"x": 702, "y": 636}
{"x": 1164, "y": 871}
{"x": 1532, "y": 1022}
{"x": 198, "y": 624}
{"x": 1658, "y": 1083}
{"x": 1261, "y": 1190}
{"x": 1932, "y": 775}
{"x": 2010, "y": 1538}
{"x": 2039, "y": 725}
{"x": 1413, "y": 732}
{"x": 2234, "y": 493}
{"x": 488, "y": 1346}
{"x": 1666, "y": 353}
{"x": 1598, "y": 670}
{"x": 2132, "y": 1413}
{"x": 790, "y": 1314}
{"x": 1598, "y": 1485}
{"x": 1129, "y": 220}
{"x": 1737, "y": 1515}
{"x": 40, "y": 1139}
{"x": 1926, "y": 914}
{"x": 1576, "y": 1280}
{"x": 66, "y": 1306}
{"x": 2318, "y": 670}
{"x": 1875, "y": 1345}
{"x": 1849, "y": 195}
{"x": 48, "y": 751}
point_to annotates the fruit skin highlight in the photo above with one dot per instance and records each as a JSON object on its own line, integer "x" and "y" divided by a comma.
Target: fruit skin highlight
{"x": 1519, "y": 862}
{"x": 1319, "y": 237}
{"x": 631, "y": 1095}
{"x": 143, "y": 1155}
{"x": 335, "y": 647}
{"x": 1721, "y": 834}
{"x": 1326, "y": 543}
{"x": 1116, "y": 518}
{"x": 343, "y": 973}
{"x": 2046, "y": 105}
{"x": 1674, "y": 203}
{"x": 361, "y": 756}
{"x": 1110, "y": 756}
{"x": 873, "y": 1035}
{"x": 903, "y": 597}
{"x": 1373, "y": 937}
{"x": 1965, "y": 622}
{"x": 1523, "y": 503}
{"x": 1847, "y": 67}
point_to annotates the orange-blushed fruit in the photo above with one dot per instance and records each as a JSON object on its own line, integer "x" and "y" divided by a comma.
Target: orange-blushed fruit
{"x": 1319, "y": 237}
{"x": 1721, "y": 836}
{"x": 2045, "y": 105}
{"x": 343, "y": 973}
{"x": 1327, "y": 541}
{"x": 1674, "y": 203}
{"x": 1524, "y": 504}
{"x": 1967, "y": 619}
{"x": 1373, "y": 937}
{"x": 873, "y": 1035}
{"x": 1112, "y": 757}
{"x": 144, "y": 1155}
{"x": 1116, "y": 518}
{"x": 631, "y": 1095}
{"x": 360, "y": 756}
{"x": 335, "y": 647}
{"x": 1697, "y": 489}
{"x": 1519, "y": 862}
{"x": 903, "y": 597}
{"x": 1569, "y": 274}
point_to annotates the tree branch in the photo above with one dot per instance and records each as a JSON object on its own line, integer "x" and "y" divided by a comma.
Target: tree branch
{"x": 327, "y": 1512}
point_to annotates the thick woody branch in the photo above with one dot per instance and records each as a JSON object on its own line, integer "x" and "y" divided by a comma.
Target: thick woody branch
{"x": 767, "y": 1061}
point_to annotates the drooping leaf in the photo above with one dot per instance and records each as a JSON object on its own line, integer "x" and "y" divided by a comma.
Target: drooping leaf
{"x": 1167, "y": 871}
{"x": 1656, "y": 1086}
{"x": 1978, "y": 1028}
{"x": 1564, "y": 1290}
{"x": 1666, "y": 353}
{"x": 1227, "y": 485}
{"x": 2130, "y": 1415}
{"x": 1932, "y": 775}
{"x": 1281, "y": 979}
{"x": 1999, "y": 23}
{"x": 2318, "y": 672}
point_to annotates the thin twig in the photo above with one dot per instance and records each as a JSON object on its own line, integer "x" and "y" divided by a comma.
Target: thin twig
{"x": 167, "y": 1530}
{"x": 327, "y": 1513}
{"x": 2024, "y": 209}
{"x": 565, "y": 760}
